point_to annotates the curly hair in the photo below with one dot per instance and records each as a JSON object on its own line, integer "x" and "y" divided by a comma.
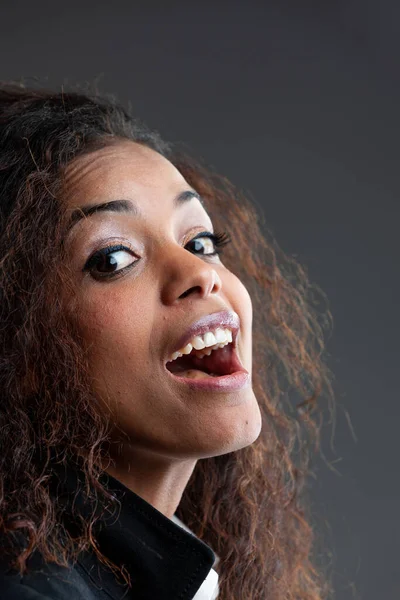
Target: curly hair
{"x": 248, "y": 505}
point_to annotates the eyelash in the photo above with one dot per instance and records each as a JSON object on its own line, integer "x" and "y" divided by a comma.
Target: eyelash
{"x": 219, "y": 239}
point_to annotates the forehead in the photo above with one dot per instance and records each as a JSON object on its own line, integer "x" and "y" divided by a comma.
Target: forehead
{"x": 123, "y": 169}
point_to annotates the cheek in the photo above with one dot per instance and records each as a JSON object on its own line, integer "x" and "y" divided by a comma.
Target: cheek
{"x": 240, "y": 299}
{"x": 114, "y": 323}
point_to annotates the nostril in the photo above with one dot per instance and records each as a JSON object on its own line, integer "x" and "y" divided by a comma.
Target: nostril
{"x": 189, "y": 291}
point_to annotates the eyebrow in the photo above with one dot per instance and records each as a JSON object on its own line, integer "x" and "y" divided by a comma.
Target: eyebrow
{"x": 125, "y": 206}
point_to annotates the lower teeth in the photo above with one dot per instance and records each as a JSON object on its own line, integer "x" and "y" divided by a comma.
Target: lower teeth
{"x": 196, "y": 374}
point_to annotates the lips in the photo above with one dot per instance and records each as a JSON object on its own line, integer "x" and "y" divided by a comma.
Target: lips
{"x": 236, "y": 379}
{"x": 226, "y": 372}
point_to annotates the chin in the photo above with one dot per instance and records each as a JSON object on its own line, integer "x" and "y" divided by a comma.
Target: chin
{"x": 238, "y": 431}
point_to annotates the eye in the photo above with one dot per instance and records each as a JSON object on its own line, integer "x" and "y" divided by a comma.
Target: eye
{"x": 209, "y": 241}
{"x": 112, "y": 261}
{"x": 109, "y": 261}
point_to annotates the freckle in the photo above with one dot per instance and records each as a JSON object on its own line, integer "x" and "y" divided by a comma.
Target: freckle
{"x": 247, "y": 422}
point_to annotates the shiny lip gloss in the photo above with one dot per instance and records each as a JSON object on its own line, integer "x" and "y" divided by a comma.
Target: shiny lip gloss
{"x": 224, "y": 383}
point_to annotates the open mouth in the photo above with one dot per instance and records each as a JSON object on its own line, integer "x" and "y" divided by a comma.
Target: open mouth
{"x": 221, "y": 362}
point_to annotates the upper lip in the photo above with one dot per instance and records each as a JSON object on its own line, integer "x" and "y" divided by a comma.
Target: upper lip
{"x": 225, "y": 319}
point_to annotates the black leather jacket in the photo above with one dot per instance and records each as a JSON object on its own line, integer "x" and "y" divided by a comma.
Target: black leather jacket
{"x": 165, "y": 562}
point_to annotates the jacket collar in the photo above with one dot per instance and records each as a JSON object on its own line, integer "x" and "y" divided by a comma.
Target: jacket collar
{"x": 164, "y": 560}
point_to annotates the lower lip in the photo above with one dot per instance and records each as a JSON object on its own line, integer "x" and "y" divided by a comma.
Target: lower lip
{"x": 225, "y": 383}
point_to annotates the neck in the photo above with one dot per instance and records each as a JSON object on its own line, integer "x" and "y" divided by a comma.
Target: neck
{"x": 157, "y": 479}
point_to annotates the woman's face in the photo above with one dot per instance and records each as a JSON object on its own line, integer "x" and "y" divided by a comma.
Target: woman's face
{"x": 159, "y": 283}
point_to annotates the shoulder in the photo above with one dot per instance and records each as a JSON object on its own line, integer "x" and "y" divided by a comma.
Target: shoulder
{"x": 11, "y": 590}
{"x": 45, "y": 581}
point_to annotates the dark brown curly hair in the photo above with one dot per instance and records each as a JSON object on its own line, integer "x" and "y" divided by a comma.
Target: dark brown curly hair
{"x": 248, "y": 505}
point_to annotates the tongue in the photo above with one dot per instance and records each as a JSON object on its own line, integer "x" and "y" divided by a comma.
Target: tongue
{"x": 219, "y": 361}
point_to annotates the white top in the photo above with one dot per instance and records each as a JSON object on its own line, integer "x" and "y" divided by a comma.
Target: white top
{"x": 209, "y": 588}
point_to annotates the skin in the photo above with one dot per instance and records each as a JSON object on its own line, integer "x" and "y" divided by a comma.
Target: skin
{"x": 131, "y": 323}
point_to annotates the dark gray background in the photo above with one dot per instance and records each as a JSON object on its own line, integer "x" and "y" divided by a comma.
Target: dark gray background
{"x": 297, "y": 102}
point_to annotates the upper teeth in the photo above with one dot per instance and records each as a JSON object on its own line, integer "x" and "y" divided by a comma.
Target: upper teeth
{"x": 210, "y": 340}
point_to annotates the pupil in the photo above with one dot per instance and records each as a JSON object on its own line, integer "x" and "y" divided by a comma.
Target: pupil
{"x": 111, "y": 261}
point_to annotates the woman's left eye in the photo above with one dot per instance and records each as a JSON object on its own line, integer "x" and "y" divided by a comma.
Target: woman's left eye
{"x": 209, "y": 241}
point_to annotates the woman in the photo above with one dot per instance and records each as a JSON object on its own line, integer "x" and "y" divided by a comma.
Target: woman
{"x": 145, "y": 451}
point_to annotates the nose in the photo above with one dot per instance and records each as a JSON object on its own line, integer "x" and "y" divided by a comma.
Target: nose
{"x": 185, "y": 274}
